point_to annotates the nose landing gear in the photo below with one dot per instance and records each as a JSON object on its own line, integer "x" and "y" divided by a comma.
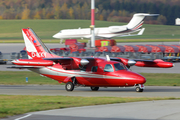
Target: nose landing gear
{"x": 140, "y": 87}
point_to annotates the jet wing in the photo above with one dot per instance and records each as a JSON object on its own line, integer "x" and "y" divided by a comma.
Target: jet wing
{"x": 139, "y": 33}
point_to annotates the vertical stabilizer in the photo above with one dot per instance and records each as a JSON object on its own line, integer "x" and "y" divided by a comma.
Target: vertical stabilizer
{"x": 137, "y": 20}
{"x": 34, "y": 46}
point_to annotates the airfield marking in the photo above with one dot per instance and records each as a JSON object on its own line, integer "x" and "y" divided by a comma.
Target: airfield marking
{"x": 23, "y": 117}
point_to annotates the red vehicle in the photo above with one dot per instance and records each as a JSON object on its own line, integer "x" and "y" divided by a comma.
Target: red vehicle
{"x": 144, "y": 49}
{"x": 131, "y": 48}
{"x": 111, "y": 42}
{"x": 156, "y": 49}
{"x": 170, "y": 49}
{"x": 104, "y": 49}
{"x": 75, "y": 71}
{"x": 77, "y": 47}
{"x": 118, "y": 48}
{"x": 70, "y": 41}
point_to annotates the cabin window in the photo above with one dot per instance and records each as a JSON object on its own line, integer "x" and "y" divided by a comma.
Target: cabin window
{"x": 94, "y": 68}
{"x": 108, "y": 68}
{"x": 118, "y": 66}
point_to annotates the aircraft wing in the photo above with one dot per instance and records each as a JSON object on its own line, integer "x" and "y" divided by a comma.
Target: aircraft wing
{"x": 139, "y": 33}
{"x": 154, "y": 63}
{"x": 144, "y": 63}
{"x": 72, "y": 62}
{"x": 63, "y": 59}
{"x": 21, "y": 67}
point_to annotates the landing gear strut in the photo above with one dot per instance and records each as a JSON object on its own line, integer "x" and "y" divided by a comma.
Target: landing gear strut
{"x": 139, "y": 88}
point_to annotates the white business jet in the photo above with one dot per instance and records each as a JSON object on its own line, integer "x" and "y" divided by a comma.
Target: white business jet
{"x": 133, "y": 26}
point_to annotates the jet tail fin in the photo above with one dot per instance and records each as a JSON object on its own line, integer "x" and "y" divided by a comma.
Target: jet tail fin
{"x": 34, "y": 46}
{"x": 137, "y": 20}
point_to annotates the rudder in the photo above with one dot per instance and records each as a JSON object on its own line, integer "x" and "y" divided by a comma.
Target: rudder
{"x": 34, "y": 46}
{"x": 137, "y": 20}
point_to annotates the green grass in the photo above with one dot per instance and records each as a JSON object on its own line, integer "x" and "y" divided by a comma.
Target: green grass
{"x": 18, "y": 104}
{"x": 45, "y": 29}
{"x": 162, "y": 79}
{"x": 19, "y": 78}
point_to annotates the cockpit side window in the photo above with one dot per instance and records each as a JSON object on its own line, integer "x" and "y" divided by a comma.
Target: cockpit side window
{"x": 94, "y": 68}
{"x": 118, "y": 66}
{"x": 108, "y": 68}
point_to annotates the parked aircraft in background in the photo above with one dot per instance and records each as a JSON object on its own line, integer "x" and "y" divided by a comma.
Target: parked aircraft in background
{"x": 87, "y": 71}
{"x": 108, "y": 32}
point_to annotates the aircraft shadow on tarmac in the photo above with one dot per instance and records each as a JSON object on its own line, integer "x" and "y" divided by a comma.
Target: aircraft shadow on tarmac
{"x": 153, "y": 89}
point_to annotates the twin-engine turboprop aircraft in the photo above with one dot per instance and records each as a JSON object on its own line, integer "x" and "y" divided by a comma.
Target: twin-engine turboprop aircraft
{"x": 88, "y": 72}
{"x": 108, "y": 32}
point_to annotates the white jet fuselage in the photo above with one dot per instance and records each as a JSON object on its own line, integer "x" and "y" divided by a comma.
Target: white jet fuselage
{"x": 104, "y": 32}
{"x": 133, "y": 26}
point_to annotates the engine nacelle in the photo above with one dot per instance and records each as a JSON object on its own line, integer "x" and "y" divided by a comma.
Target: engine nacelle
{"x": 84, "y": 62}
{"x": 127, "y": 62}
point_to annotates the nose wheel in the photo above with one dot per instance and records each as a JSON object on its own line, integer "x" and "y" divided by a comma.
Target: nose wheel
{"x": 139, "y": 88}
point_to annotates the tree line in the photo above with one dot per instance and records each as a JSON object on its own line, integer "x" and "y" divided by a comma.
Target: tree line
{"x": 107, "y": 10}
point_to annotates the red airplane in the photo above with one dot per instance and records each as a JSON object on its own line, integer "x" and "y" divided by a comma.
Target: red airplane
{"x": 88, "y": 71}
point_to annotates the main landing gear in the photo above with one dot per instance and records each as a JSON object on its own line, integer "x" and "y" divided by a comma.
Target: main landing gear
{"x": 139, "y": 88}
{"x": 69, "y": 86}
{"x": 94, "y": 88}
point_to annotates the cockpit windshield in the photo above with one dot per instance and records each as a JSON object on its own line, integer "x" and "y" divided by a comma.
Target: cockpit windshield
{"x": 118, "y": 66}
{"x": 108, "y": 68}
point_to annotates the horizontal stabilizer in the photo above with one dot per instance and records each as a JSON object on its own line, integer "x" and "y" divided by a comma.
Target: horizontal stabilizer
{"x": 141, "y": 32}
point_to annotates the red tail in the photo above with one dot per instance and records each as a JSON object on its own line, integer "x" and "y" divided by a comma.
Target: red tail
{"x": 34, "y": 46}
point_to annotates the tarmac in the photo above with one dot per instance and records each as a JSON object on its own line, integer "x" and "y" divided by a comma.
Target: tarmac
{"x": 148, "y": 110}
{"x": 54, "y": 90}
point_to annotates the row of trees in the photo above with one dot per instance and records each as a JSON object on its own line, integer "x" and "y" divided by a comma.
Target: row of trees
{"x": 110, "y": 10}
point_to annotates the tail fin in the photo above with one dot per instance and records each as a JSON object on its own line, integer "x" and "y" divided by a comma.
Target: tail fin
{"x": 34, "y": 46}
{"x": 137, "y": 20}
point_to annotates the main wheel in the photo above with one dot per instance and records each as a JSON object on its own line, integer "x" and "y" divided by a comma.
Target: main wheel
{"x": 94, "y": 88}
{"x": 69, "y": 86}
{"x": 138, "y": 89}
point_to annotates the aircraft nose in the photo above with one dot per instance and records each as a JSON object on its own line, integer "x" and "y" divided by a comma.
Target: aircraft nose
{"x": 141, "y": 79}
{"x": 56, "y": 35}
{"x": 137, "y": 78}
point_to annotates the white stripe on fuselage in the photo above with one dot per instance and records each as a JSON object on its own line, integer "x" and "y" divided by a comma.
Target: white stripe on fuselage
{"x": 78, "y": 73}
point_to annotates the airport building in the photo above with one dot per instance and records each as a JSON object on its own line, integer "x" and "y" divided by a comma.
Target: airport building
{"x": 177, "y": 21}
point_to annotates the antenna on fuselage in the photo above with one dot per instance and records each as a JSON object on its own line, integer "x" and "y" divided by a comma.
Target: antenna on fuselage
{"x": 108, "y": 58}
